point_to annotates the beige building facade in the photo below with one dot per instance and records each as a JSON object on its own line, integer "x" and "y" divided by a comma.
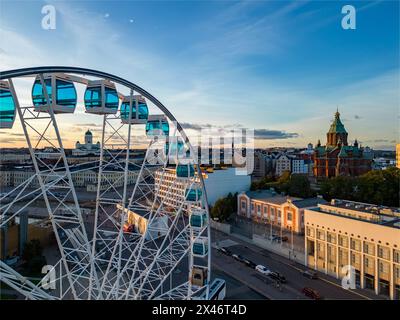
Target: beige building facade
{"x": 364, "y": 236}
{"x": 266, "y": 206}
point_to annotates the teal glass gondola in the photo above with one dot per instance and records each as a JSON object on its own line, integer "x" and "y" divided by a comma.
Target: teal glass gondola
{"x": 177, "y": 149}
{"x": 139, "y": 113}
{"x": 7, "y": 106}
{"x": 62, "y": 95}
{"x": 101, "y": 97}
{"x": 157, "y": 125}
{"x": 185, "y": 171}
{"x": 200, "y": 247}
{"x": 193, "y": 194}
{"x": 198, "y": 219}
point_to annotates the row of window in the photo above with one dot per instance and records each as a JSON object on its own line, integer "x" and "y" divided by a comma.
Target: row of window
{"x": 355, "y": 244}
{"x": 355, "y": 258}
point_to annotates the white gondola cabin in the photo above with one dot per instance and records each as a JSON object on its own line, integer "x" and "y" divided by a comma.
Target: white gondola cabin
{"x": 61, "y": 93}
{"x": 7, "y": 106}
{"x": 101, "y": 97}
{"x": 137, "y": 107}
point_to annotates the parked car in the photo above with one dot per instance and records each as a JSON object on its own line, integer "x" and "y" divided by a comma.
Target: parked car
{"x": 238, "y": 257}
{"x": 277, "y": 276}
{"x": 311, "y": 293}
{"x": 264, "y": 270}
{"x": 249, "y": 263}
{"x": 221, "y": 249}
{"x": 224, "y": 251}
{"x": 310, "y": 274}
{"x": 284, "y": 239}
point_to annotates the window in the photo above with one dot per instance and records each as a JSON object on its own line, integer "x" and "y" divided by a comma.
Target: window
{"x": 383, "y": 267}
{"x": 289, "y": 216}
{"x": 355, "y": 244}
{"x": 243, "y": 205}
{"x": 369, "y": 248}
{"x": 396, "y": 256}
{"x": 383, "y": 252}
{"x": 331, "y": 237}
{"x": 343, "y": 241}
{"x": 310, "y": 232}
{"x": 321, "y": 234}
{"x": 397, "y": 272}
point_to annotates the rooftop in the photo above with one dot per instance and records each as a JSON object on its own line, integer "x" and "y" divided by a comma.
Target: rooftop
{"x": 362, "y": 211}
{"x": 272, "y": 197}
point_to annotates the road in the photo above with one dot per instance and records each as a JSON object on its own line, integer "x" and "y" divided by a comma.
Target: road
{"x": 328, "y": 287}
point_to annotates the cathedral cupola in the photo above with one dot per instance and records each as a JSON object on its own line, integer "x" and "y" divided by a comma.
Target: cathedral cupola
{"x": 336, "y": 132}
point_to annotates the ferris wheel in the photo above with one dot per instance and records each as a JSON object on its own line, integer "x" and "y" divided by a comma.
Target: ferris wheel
{"x": 147, "y": 233}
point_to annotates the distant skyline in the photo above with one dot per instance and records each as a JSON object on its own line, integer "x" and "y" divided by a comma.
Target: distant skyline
{"x": 279, "y": 67}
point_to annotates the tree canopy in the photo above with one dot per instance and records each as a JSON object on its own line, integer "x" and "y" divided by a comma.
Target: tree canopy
{"x": 224, "y": 207}
{"x": 379, "y": 187}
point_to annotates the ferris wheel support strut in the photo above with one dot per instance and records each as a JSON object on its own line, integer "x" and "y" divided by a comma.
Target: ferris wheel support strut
{"x": 41, "y": 183}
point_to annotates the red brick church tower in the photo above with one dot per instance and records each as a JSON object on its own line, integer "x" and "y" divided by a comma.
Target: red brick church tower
{"x": 337, "y": 157}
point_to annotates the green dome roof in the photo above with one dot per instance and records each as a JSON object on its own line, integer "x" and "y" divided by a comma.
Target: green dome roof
{"x": 337, "y": 125}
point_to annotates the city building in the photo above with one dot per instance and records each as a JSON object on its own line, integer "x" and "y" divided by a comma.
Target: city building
{"x": 282, "y": 164}
{"x": 81, "y": 177}
{"x": 15, "y": 156}
{"x": 87, "y": 148}
{"x": 365, "y": 236}
{"x": 301, "y": 166}
{"x": 268, "y": 206}
{"x": 398, "y": 155}
{"x": 337, "y": 157}
{"x": 383, "y": 163}
{"x": 217, "y": 182}
{"x": 263, "y": 164}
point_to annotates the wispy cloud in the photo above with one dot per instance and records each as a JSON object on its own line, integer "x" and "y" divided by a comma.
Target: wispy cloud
{"x": 265, "y": 134}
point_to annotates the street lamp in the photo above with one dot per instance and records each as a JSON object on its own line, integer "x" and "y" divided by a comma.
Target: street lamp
{"x": 216, "y": 220}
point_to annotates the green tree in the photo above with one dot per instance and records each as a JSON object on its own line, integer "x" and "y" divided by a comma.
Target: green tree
{"x": 340, "y": 187}
{"x": 379, "y": 187}
{"x": 299, "y": 186}
{"x": 224, "y": 207}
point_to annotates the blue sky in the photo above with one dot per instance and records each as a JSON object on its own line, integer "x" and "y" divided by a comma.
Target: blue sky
{"x": 281, "y": 66}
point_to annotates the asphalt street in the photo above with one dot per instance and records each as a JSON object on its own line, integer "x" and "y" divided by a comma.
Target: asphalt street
{"x": 328, "y": 287}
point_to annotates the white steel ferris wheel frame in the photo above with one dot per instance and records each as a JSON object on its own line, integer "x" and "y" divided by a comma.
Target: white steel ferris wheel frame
{"x": 140, "y": 272}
